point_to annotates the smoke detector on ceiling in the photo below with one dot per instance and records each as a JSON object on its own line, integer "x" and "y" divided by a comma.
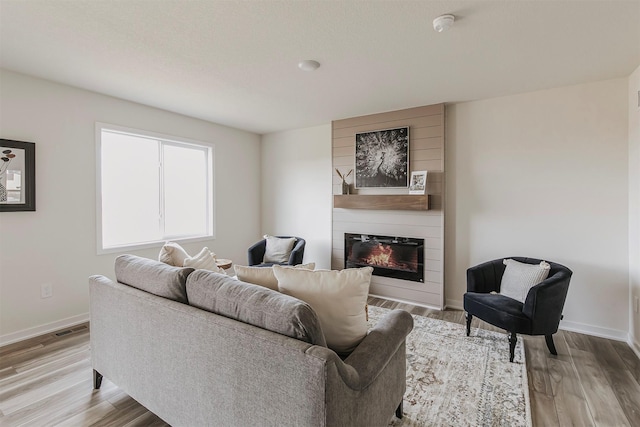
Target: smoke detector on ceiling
{"x": 443, "y": 22}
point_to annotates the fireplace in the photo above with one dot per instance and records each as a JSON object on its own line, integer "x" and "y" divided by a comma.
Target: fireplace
{"x": 397, "y": 257}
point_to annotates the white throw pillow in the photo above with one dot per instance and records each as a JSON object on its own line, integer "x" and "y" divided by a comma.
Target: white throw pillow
{"x": 519, "y": 277}
{"x": 338, "y": 298}
{"x": 278, "y": 249}
{"x": 264, "y": 276}
{"x": 172, "y": 254}
{"x": 205, "y": 260}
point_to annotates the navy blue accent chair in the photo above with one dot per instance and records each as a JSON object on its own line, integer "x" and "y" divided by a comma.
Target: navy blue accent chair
{"x": 539, "y": 315}
{"x": 255, "y": 254}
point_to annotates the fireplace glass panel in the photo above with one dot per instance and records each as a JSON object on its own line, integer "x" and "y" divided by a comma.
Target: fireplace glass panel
{"x": 390, "y": 256}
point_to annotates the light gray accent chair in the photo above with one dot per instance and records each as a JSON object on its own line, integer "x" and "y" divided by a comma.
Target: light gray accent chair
{"x": 237, "y": 354}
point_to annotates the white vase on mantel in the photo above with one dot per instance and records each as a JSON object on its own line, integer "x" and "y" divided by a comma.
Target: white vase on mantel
{"x": 346, "y": 188}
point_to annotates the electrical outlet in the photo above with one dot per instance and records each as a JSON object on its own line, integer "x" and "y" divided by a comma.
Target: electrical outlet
{"x": 46, "y": 290}
{"x": 636, "y": 303}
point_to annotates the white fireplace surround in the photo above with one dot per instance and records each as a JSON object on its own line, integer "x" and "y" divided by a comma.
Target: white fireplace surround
{"x": 426, "y": 152}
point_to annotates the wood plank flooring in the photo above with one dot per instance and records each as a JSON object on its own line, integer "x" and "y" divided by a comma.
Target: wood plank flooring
{"x": 46, "y": 381}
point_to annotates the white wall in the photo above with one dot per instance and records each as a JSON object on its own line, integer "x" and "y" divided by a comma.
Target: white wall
{"x": 634, "y": 208}
{"x": 570, "y": 148}
{"x": 57, "y": 243}
{"x": 544, "y": 175}
{"x": 296, "y": 189}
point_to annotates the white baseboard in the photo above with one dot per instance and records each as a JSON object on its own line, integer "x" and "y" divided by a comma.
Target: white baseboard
{"x": 596, "y": 331}
{"x": 43, "y": 329}
{"x": 582, "y": 328}
{"x": 454, "y": 304}
{"x": 635, "y": 346}
{"x": 405, "y": 301}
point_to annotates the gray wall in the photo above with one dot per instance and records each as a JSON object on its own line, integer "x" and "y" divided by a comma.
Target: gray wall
{"x": 634, "y": 208}
{"x": 296, "y": 189}
{"x": 544, "y": 174}
{"x": 541, "y": 174}
{"x": 57, "y": 243}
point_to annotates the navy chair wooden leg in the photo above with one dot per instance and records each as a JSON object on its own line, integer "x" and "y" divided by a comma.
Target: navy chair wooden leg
{"x": 550, "y": 345}
{"x": 469, "y": 317}
{"x": 399, "y": 413}
{"x": 513, "y": 339}
{"x": 97, "y": 379}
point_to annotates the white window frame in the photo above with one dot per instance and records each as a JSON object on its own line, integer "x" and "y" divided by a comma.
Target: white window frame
{"x": 167, "y": 139}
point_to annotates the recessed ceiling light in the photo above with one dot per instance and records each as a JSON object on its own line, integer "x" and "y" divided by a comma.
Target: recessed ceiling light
{"x": 308, "y": 65}
{"x": 443, "y": 22}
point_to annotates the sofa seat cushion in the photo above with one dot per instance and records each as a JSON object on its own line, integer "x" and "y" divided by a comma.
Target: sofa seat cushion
{"x": 153, "y": 276}
{"x": 269, "y": 264}
{"x": 255, "y": 305}
{"x": 498, "y": 310}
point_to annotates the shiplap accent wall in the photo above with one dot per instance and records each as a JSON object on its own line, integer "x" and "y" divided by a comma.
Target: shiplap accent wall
{"x": 426, "y": 152}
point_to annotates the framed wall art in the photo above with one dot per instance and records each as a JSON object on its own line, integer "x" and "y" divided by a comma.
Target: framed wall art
{"x": 418, "y": 183}
{"x": 382, "y": 158}
{"x": 17, "y": 176}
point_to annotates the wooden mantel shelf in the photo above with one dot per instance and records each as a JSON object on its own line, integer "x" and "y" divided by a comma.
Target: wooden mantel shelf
{"x": 407, "y": 202}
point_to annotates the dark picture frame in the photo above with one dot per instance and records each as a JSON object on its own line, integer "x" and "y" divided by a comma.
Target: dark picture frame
{"x": 17, "y": 176}
{"x": 382, "y": 158}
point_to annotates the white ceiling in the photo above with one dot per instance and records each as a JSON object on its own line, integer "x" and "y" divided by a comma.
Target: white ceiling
{"x": 235, "y": 62}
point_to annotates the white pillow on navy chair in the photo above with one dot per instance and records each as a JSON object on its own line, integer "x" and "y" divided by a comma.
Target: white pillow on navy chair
{"x": 278, "y": 249}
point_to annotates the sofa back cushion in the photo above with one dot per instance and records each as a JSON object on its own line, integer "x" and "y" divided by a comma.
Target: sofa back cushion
{"x": 255, "y": 305}
{"x": 264, "y": 276}
{"x": 339, "y": 298}
{"x": 153, "y": 276}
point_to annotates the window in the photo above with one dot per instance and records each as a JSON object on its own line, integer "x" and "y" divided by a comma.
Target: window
{"x": 151, "y": 188}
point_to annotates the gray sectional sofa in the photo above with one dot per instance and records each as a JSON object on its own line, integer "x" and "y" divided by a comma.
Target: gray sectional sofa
{"x": 202, "y": 349}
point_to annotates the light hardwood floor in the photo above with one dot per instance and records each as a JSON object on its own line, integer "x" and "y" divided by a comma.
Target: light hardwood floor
{"x": 46, "y": 381}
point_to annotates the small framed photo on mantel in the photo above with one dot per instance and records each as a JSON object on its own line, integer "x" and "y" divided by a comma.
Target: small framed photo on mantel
{"x": 418, "y": 184}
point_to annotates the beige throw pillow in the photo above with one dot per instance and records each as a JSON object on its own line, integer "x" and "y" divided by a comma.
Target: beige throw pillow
{"x": 173, "y": 254}
{"x": 264, "y": 276}
{"x": 338, "y": 298}
{"x": 278, "y": 249}
{"x": 205, "y": 260}
{"x": 519, "y": 277}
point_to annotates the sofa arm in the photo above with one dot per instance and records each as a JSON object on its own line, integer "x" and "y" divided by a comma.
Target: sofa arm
{"x": 360, "y": 369}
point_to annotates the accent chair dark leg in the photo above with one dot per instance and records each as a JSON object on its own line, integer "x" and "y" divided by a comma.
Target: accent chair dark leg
{"x": 469, "y": 317}
{"x": 399, "y": 413}
{"x": 513, "y": 339}
{"x": 550, "y": 345}
{"x": 97, "y": 379}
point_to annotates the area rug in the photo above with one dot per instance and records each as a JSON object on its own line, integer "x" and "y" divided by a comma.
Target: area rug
{"x": 455, "y": 380}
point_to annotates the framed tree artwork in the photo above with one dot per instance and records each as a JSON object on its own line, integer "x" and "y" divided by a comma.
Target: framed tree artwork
{"x": 382, "y": 158}
{"x": 17, "y": 176}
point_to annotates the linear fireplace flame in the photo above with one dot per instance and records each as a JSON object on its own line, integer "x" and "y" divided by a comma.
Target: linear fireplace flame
{"x": 381, "y": 256}
{"x": 397, "y": 257}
